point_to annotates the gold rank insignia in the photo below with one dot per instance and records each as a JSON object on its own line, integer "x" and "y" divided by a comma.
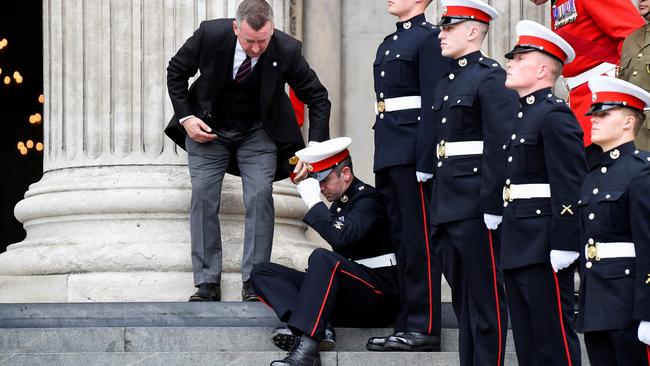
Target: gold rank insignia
{"x": 566, "y": 209}
{"x": 614, "y": 154}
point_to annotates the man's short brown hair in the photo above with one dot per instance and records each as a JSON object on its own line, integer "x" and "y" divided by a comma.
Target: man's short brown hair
{"x": 255, "y": 12}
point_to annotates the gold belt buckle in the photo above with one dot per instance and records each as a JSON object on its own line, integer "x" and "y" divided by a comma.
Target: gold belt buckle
{"x": 441, "y": 151}
{"x": 592, "y": 252}
{"x": 507, "y": 194}
{"x": 381, "y": 106}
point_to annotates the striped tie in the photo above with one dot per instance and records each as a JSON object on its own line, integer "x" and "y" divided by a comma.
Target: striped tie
{"x": 244, "y": 70}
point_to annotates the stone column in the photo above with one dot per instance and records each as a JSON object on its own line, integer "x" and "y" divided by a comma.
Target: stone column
{"x": 109, "y": 220}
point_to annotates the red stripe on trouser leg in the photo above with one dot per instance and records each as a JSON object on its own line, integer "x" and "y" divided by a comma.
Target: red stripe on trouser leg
{"x": 364, "y": 282}
{"x": 496, "y": 293}
{"x": 647, "y": 353}
{"x": 426, "y": 242}
{"x": 322, "y": 306}
{"x": 264, "y": 302}
{"x": 559, "y": 308}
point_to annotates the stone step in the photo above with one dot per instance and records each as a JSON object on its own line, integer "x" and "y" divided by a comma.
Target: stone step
{"x": 178, "y": 339}
{"x": 231, "y": 359}
{"x": 173, "y": 314}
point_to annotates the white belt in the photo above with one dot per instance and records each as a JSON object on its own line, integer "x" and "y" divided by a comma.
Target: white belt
{"x": 447, "y": 149}
{"x": 386, "y": 260}
{"x": 525, "y": 191}
{"x": 398, "y": 104}
{"x": 576, "y": 81}
{"x": 599, "y": 251}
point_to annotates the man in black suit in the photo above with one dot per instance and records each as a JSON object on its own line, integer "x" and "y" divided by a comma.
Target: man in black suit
{"x": 237, "y": 118}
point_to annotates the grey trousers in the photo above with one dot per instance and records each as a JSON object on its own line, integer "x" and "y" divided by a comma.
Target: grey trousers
{"x": 256, "y": 156}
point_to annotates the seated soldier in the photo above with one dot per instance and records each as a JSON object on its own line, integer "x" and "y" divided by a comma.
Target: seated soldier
{"x": 355, "y": 285}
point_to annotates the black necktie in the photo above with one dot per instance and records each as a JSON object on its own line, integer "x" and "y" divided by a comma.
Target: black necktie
{"x": 244, "y": 70}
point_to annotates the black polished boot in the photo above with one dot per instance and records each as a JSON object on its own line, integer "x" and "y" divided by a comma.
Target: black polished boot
{"x": 378, "y": 344}
{"x": 207, "y": 292}
{"x": 248, "y": 293}
{"x": 284, "y": 338}
{"x": 413, "y": 342}
{"x": 303, "y": 353}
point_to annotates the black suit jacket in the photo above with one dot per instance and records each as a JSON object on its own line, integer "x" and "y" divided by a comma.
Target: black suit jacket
{"x": 210, "y": 51}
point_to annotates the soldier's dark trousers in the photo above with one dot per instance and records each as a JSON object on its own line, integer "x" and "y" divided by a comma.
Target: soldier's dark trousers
{"x": 467, "y": 251}
{"x": 616, "y": 348}
{"x": 419, "y": 271}
{"x": 333, "y": 289}
{"x": 543, "y": 335}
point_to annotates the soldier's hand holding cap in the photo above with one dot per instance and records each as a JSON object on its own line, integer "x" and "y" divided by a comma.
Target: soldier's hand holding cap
{"x": 301, "y": 172}
{"x": 561, "y": 259}
{"x": 309, "y": 190}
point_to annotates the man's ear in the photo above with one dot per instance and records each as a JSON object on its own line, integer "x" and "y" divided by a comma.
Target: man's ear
{"x": 347, "y": 173}
{"x": 234, "y": 27}
{"x": 628, "y": 124}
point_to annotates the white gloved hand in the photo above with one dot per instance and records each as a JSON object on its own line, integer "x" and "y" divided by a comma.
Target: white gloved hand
{"x": 309, "y": 190}
{"x": 644, "y": 332}
{"x": 561, "y": 259}
{"x": 492, "y": 221}
{"x": 423, "y": 177}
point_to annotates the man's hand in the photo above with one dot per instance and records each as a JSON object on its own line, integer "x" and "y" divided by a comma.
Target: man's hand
{"x": 198, "y": 131}
{"x": 492, "y": 221}
{"x": 423, "y": 177}
{"x": 301, "y": 172}
{"x": 309, "y": 190}
{"x": 561, "y": 259}
{"x": 644, "y": 332}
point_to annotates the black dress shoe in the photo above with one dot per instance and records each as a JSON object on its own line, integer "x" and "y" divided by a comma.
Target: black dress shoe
{"x": 207, "y": 292}
{"x": 303, "y": 353}
{"x": 284, "y": 339}
{"x": 378, "y": 344}
{"x": 414, "y": 342}
{"x": 248, "y": 293}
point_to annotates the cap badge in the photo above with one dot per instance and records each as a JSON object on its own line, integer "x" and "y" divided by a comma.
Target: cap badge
{"x": 309, "y": 167}
{"x": 594, "y": 97}
{"x": 530, "y": 99}
{"x": 344, "y": 199}
{"x": 614, "y": 154}
{"x": 462, "y": 62}
{"x": 444, "y": 10}
{"x": 406, "y": 25}
{"x": 293, "y": 160}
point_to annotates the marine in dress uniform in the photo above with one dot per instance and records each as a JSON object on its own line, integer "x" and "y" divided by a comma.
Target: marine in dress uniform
{"x": 595, "y": 30}
{"x": 407, "y": 67}
{"x": 545, "y": 167}
{"x": 355, "y": 284}
{"x": 635, "y": 66}
{"x": 615, "y": 246}
{"x": 473, "y": 114}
